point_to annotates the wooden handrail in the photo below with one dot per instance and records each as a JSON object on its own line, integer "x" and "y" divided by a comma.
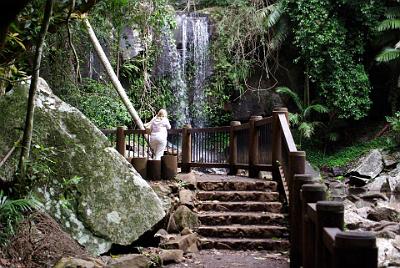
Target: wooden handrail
{"x": 288, "y": 138}
{"x": 241, "y": 127}
{"x": 264, "y": 121}
{"x": 210, "y": 129}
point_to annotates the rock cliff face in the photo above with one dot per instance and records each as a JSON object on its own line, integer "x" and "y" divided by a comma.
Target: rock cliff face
{"x": 91, "y": 190}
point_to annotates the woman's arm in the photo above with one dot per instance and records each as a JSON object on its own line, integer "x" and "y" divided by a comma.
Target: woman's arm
{"x": 167, "y": 124}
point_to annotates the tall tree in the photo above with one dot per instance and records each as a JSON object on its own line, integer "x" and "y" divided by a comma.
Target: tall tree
{"x": 27, "y": 137}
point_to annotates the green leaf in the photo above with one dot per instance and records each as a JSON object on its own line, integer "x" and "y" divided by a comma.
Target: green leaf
{"x": 388, "y": 54}
{"x": 293, "y": 95}
{"x": 389, "y": 24}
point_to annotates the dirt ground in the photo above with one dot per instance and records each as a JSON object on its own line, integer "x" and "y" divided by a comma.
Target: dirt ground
{"x": 232, "y": 259}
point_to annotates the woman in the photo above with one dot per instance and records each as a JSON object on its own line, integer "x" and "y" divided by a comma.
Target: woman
{"x": 158, "y": 138}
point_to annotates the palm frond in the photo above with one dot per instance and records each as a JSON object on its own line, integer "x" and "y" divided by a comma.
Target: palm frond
{"x": 291, "y": 94}
{"x": 389, "y": 24}
{"x": 392, "y": 12}
{"x": 294, "y": 119}
{"x": 281, "y": 31}
{"x": 275, "y": 15}
{"x": 319, "y": 108}
{"x": 388, "y": 54}
{"x": 306, "y": 129}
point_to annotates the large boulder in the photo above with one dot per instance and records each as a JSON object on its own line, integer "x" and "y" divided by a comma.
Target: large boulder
{"x": 109, "y": 201}
{"x": 369, "y": 166}
{"x": 254, "y": 102}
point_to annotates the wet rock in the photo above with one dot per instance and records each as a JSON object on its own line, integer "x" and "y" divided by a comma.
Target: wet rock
{"x": 163, "y": 191}
{"x": 338, "y": 171}
{"x": 187, "y": 243}
{"x": 371, "y": 196}
{"x": 171, "y": 256}
{"x": 184, "y": 217}
{"x": 265, "y": 175}
{"x": 353, "y": 217}
{"x": 186, "y": 198}
{"x": 254, "y": 102}
{"x": 388, "y": 253}
{"x": 378, "y": 183}
{"x": 390, "y": 158}
{"x": 358, "y": 181}
{"x": 189, "y": 179}
{"x": 129, "y": 261}
{"x": 112, "y": 203}
{"x": 70, "y": 262}
{"x": 186, "y": 231}
{"x": 369, "y": 166}
{"x": 384, "y": 214}
{"x": 171, "y": 226}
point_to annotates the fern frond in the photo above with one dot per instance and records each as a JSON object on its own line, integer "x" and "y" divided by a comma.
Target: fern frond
{"x": 275, "y": 15}
{"x": 389, "y": 24}
{"x": 291, "y": 94}
{"x": 281, "y": 31}
{"x": 392, "y": 13}
{"x": 319, "y": 108}
{"x": 388, "y": 54}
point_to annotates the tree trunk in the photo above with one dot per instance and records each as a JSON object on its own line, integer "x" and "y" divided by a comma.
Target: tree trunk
{"x": 27, "y": 137}
{"x": 306, "y": 99}
{"x": 113, "y": 77}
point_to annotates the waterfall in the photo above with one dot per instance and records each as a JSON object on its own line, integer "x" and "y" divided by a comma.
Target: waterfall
{"x": 185, "y": 60}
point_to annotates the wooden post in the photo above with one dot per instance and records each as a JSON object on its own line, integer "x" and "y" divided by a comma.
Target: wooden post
{"x": 253, "y": 146}
{"x": 121, "y": 145}
{"x": 186, "y": 148}
{"x": 233, "y": 148}
{"x": 297, "y": 216}
{"x": 140, "y": 164}
{"x": 329, "y": 214}
{"x": 310, "y": 193}
{"x": 297, "y": 165}
{"x": 277, "y": 135}
{"x": 169, "y": 167}
{"x": 355, "y": 250}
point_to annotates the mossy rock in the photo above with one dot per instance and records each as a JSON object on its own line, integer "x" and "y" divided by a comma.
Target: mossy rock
{"x": 110, "y": 203}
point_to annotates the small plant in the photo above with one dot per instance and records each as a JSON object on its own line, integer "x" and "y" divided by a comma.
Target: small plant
{"x": 302, "y": 120}
{"x": 12, "y": 213}
{"x": 394, "y": 122}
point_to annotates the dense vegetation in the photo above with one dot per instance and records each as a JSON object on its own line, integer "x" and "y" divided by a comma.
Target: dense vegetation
{"x": 338, "y": 59}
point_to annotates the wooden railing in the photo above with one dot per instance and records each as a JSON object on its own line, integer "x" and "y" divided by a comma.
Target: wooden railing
{"x": 317, "y": 238}
{"x": 316, "y": 225}
{"x": 244, "y": 146}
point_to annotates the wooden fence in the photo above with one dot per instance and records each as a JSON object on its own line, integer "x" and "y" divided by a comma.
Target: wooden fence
{"x": 316, "y": 225}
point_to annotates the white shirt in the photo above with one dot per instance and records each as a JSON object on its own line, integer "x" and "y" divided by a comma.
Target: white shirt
{"x": 159, "y": 126}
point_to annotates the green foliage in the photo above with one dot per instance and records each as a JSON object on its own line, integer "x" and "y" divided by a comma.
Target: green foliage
{"x": 392, "y": 22}
{"x": 303, "y": 119}
{"x": 394, "y": 122}
{"x": 331, "y": 37}
{"x": 345, "y": 155}
{"x": 388, "y": 54}
{"x": 11, "y": 213}
{"x": 99, "y": 102}
{"x": 248, "y": 36}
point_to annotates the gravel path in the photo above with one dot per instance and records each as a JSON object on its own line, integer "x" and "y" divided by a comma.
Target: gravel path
{"x": 231, "y": 259}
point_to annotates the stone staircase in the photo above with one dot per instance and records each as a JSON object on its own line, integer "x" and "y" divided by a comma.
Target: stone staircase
{"x": 240, "y": 213}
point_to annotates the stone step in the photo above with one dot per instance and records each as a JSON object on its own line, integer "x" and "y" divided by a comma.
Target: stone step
{"x": 244, "y": 218}
{"x": 245, "y": 243}
{"x": 235, "y": 184}
{"x": 274, "y": 207}
{"x": 259, "y": 196}
{"x": 247, "y": 231}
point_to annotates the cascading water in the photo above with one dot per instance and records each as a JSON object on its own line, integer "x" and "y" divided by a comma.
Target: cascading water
{"x": 185, "y": 60}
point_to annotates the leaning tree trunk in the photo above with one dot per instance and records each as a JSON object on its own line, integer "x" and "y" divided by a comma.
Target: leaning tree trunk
{"x": 114, "y": 79}
{"x": 27, "y": 137}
